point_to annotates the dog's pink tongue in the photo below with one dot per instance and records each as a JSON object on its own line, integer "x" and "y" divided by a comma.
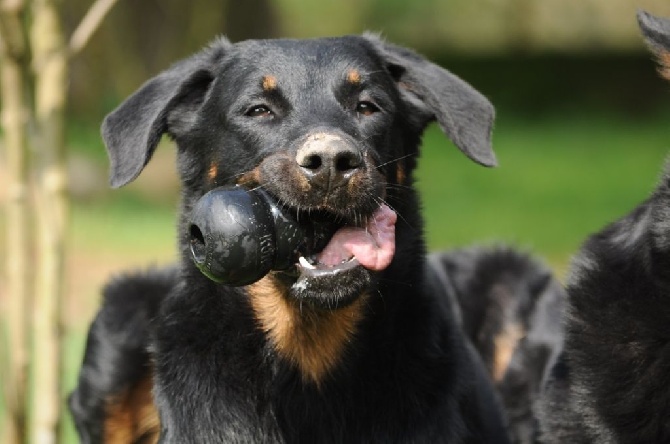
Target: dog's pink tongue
{"x": 373, "y": 245}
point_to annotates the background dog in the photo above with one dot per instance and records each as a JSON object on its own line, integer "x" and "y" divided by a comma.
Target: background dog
{"x": 510, "y": 307}
{"x": 611, "y": 383}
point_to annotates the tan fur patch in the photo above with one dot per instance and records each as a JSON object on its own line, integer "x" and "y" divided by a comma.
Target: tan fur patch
{"x": 131, "y": 417}
{"x": 302, "y": 183}
{"x": 505, "y": 343}
{"x": 286, "y": 164}
{"x": 269, "y": 83}
{"x": 664, "y": 61}
{"x": 250, "y": 179}
{"x": 314, "y": 340}
{"x": 354, "y": 77}
{"x": 401, "y": 176}
{"x": 213, "y": 171}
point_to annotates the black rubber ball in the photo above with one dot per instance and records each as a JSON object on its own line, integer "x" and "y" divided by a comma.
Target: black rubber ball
{"x": 237, "y": 236}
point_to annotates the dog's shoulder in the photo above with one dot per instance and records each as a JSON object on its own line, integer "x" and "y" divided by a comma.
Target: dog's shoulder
{"x": 112, "y": 399}
{"x": 615, "y": 355}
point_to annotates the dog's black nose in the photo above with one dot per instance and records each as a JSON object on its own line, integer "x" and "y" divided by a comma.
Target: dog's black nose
{"x": 328, "y": 161}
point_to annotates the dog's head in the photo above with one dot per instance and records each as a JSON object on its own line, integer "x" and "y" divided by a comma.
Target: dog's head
{"x": 329, "y": 127}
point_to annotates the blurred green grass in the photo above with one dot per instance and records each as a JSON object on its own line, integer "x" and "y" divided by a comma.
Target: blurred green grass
{"x": 127, "y": 224}
{"x": 558, "y": 180}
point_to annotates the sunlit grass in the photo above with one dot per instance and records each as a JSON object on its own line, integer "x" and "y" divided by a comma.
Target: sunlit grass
{"x": 126, "y": 225}
{"x": 557, "y": 182}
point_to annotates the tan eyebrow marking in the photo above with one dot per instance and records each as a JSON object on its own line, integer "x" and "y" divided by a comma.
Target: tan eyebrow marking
{"x": 354, "y": 77}
{"x": 269, "y": 83}
{"x": 401, "y": 176}
{"x": 213, "y": 171}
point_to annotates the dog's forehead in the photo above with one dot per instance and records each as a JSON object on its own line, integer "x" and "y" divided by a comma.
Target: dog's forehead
{"x": 305, "y": 59}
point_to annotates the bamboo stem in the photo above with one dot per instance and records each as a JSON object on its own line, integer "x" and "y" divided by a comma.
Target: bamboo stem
{"x": 15, "y": 116}
{"x": 50, "y": 68}
{"x": 50, "y": 54}
{"x": 89, "y": 24}
{"x": 19, "y": 247}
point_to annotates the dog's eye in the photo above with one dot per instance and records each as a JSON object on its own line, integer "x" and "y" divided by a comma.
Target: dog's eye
{"x": 259, "y": 111}
{"x": 365, "y": 108}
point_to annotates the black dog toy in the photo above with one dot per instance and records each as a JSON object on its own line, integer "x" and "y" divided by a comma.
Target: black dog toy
{"x": 239, "y": 235}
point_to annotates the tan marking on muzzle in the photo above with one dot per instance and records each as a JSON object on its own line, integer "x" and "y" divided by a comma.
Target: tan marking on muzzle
{"x": 313, "y": 340}
{"x": 250, "y": 179}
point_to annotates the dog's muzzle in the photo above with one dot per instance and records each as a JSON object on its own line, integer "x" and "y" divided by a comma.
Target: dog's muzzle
{"x": 237, "y": 236}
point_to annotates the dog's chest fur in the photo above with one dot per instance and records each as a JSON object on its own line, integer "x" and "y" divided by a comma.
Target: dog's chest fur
{"x": 260, "y": 393}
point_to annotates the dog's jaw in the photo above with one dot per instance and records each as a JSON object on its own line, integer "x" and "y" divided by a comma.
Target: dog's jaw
{"x": 345, "y": 267}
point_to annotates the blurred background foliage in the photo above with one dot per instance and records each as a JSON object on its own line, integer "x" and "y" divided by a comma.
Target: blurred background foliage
{"x": 574, "y": 87}
{"x": 516, "y": 49}
{"x": 581, "y": 134}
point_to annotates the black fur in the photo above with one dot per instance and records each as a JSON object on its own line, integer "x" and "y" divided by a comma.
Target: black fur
{"x": 408, "y": 374}
{"x": 610, "y": 385}
{"x": 617, "y": 348}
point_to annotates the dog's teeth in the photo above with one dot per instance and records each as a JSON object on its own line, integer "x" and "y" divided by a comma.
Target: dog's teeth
{"x": 305, "y": 263}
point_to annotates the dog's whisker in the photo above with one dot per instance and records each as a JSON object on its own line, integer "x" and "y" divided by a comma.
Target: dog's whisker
{"x": 234, "y": 176}
{"x": 394, "y": 160}
{"x": 385, "y": 202}
{"x": 398, "y": 186}
{"x": 258, "y": 187}
{"x": 381, "y": 296}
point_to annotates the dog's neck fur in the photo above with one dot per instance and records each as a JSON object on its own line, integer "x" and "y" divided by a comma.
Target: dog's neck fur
{"x": 311, "y": 339}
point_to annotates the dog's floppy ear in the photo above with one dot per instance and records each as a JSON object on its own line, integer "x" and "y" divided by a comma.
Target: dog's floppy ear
{"x": 132, "y": 131}
{"x": 656, "y": 32}
{"x": 464, "y": 115}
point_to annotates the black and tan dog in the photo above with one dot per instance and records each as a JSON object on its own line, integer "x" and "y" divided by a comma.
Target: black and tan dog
{"x": 354, "y": 343}
{"x": 611, "y": 383}
{"x": 510, "y": 307}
